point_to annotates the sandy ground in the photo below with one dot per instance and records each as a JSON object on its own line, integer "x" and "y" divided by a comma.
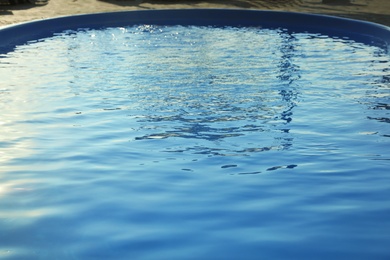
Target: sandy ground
{"x": 371, "y": 10}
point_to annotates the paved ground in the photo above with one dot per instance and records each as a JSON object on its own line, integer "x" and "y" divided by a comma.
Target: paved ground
{"x": 370, "y": 10}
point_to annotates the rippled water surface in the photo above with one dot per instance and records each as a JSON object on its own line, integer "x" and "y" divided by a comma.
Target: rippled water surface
{"x": 178, "y": 142}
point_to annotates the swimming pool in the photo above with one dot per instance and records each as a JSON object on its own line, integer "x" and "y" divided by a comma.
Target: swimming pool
{"x": 201, "y": 134}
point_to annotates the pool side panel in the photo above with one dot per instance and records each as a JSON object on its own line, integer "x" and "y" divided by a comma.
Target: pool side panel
{"x": 366, "y": 32}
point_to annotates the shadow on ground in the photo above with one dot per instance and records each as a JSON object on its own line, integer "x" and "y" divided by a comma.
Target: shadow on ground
{"x": 6, "y": 9}
{"x": 234, "y": 3}
{"x": 376, "y": 18}
{"x": 311, "y": 6}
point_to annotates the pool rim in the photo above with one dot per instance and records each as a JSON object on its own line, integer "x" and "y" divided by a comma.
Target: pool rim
{"x": 361, "y": 31}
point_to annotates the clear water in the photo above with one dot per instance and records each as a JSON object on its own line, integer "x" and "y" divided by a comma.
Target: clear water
{"x": 194, "y": 143}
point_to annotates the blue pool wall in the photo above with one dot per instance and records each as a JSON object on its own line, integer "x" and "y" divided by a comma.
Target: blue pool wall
{"x": 360, "y": 31}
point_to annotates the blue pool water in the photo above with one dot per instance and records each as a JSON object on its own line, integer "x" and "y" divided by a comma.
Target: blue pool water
{"x": 172, "y": 142}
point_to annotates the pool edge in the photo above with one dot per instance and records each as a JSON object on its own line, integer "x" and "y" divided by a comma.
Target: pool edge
{"x": 21, "y": 33}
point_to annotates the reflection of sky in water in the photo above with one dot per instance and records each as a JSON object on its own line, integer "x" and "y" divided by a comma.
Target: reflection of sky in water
{"x": 132, "y": 143}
